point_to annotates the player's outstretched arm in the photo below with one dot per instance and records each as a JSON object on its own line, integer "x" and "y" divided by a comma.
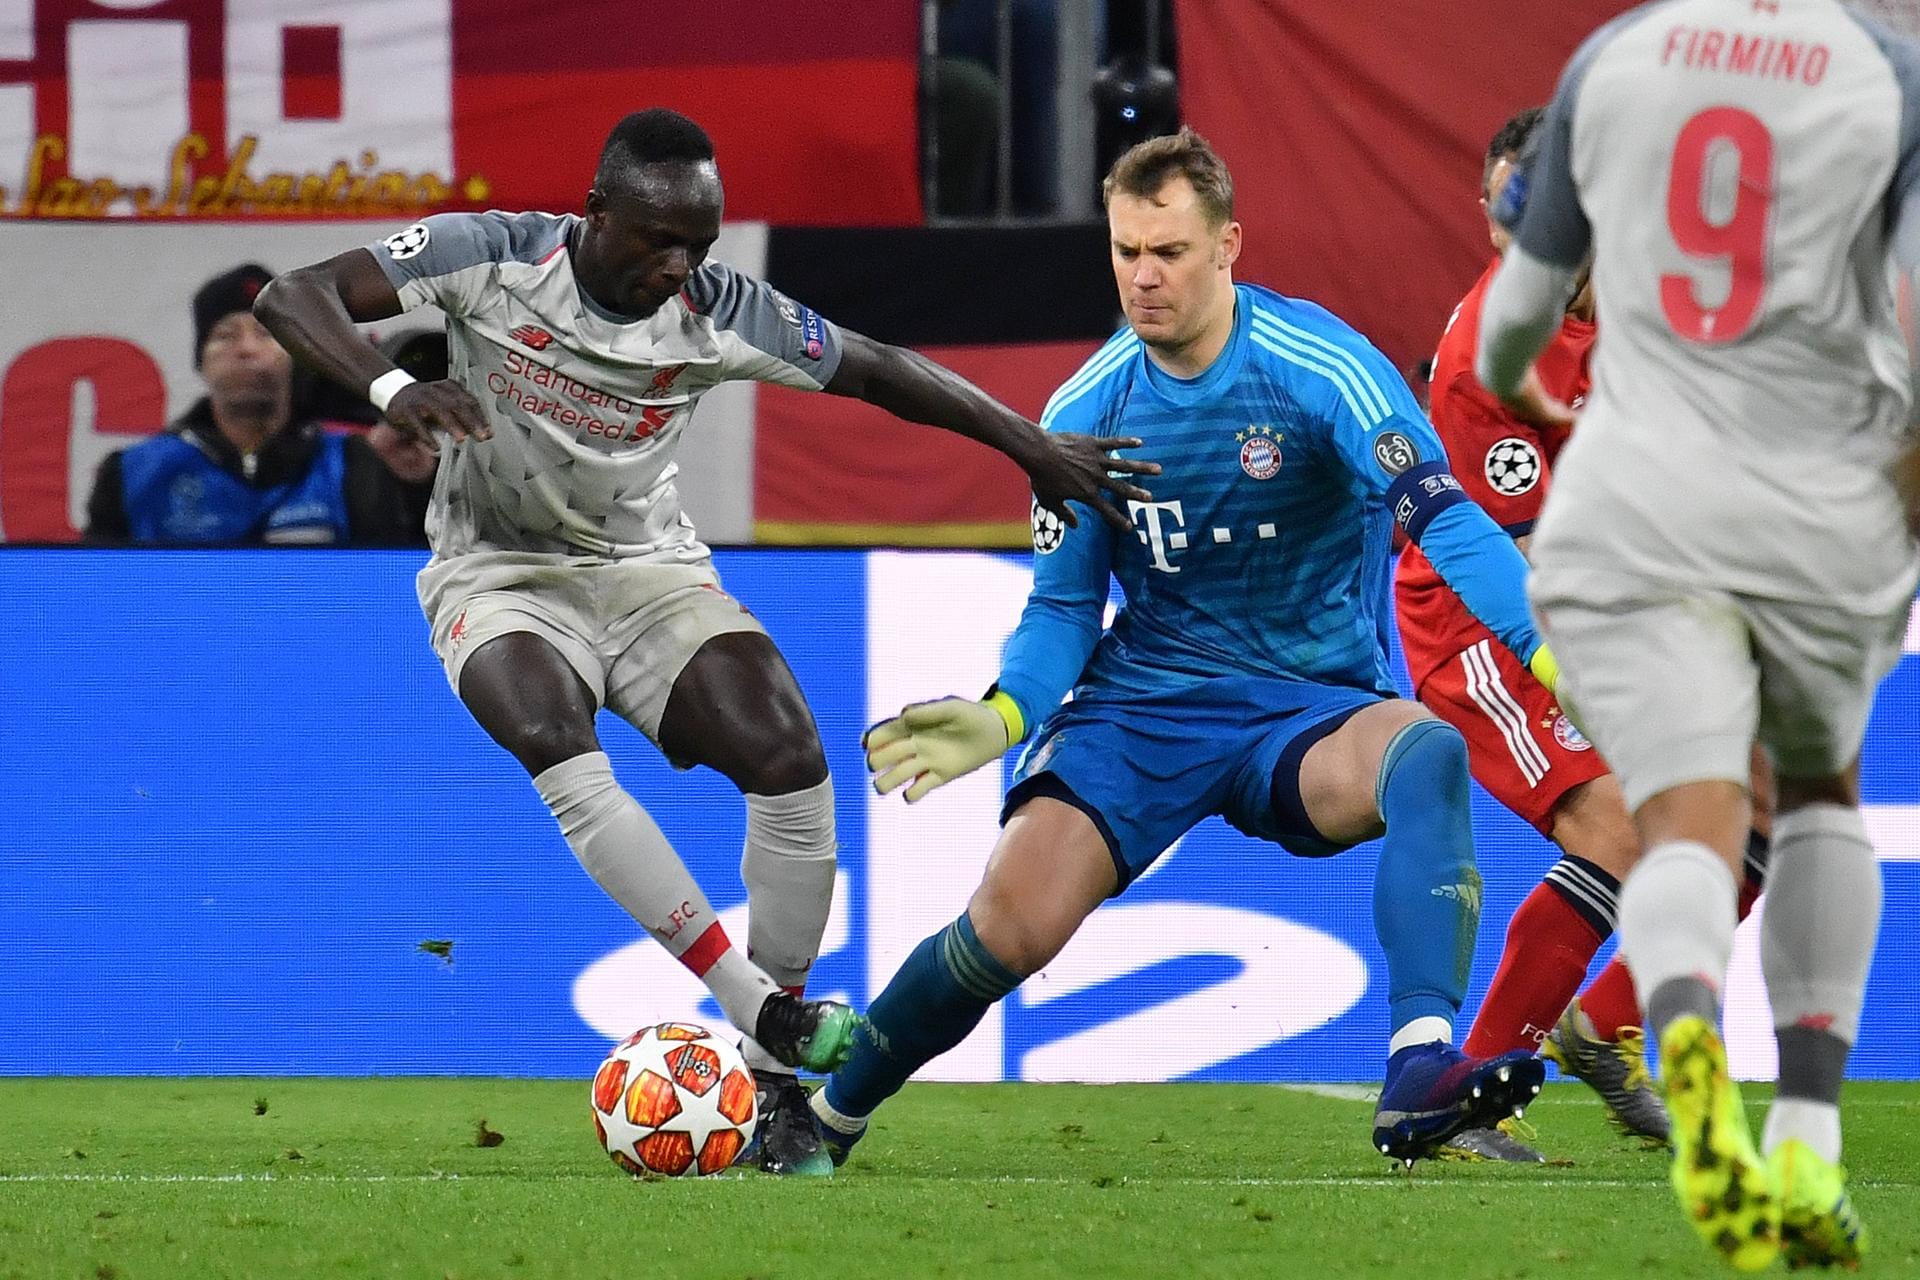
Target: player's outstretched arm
{"x": 312, "y": 311}
{"x": 1398, "y": 461}
{"x": 1063, "y": 467}
{"x": 1480, "y": 562}
{"x": 1524, "y": 309}
{"x": 929, "y": 744}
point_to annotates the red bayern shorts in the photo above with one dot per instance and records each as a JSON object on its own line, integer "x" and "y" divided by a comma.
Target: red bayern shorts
{"x": 1523, "y": 749}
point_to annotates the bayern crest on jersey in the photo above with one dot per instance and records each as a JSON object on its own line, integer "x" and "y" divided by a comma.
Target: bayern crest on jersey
{"x": 1570, "y": 738}
{"x": 1259, "y": 451}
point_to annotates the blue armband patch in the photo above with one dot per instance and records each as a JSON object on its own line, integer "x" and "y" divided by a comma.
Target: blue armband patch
{"x": 1420, "y": 494}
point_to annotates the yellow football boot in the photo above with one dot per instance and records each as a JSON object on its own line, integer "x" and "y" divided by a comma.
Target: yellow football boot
{"x": 1819, "y": 1226}
{"x": 1725, "y": 1187}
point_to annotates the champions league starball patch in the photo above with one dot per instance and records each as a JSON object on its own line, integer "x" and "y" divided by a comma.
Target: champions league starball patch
{"x": 1512, "y": 466}
{"x": 1049, "y": 530}
{"x": 1259, "y": 452}
{"x": 405, "y": 244}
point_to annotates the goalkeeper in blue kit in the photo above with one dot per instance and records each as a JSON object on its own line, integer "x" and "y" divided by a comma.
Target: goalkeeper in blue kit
{"x": 1247, "y": 674}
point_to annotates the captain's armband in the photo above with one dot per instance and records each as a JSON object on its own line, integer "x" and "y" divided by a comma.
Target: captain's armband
{"x": 1421, "y": 493}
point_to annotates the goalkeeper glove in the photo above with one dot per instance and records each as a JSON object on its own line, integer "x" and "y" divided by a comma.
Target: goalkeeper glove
{"x": 929, "y": 744}
{"x": 1545, "y": 668}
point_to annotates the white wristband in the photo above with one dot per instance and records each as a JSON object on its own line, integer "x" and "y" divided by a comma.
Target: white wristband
{"x": 385, "y": 387}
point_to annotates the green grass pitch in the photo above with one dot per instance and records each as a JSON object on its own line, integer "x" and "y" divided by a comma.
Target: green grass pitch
{"x": 154, "y": 1179}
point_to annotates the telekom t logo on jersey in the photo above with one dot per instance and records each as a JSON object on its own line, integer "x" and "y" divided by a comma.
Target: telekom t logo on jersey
{"x": 1162, "y": 527}
{"x": 1158, "y": 535}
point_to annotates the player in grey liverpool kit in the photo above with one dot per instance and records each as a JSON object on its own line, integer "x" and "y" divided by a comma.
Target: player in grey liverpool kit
{"x": 565, "y": 576}
{"x": 1726, "y": 551}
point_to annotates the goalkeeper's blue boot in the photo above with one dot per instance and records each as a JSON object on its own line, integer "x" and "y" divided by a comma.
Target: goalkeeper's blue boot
{"x": 838, "y": 1133}
{"x": 787, "y": 1140}
{"x": 1434, "y": 1091}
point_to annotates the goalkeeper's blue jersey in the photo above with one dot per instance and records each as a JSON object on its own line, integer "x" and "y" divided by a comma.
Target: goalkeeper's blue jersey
{"x": 1266, "y": 550}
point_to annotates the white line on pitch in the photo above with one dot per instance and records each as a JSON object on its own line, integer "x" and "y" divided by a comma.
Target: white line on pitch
{"x": 1556, "y": 1098}
{"x": 1338, "y": 1092}
{"x": 143, "y": 1178}
{"x": 1386, "y": 1181}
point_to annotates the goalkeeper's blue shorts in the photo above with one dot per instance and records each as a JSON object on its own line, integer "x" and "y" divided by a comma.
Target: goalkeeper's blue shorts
{"x": 1146, "y": 768}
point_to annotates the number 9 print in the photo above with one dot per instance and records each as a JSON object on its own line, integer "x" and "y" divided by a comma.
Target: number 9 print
{"x": 1742, "y": 195}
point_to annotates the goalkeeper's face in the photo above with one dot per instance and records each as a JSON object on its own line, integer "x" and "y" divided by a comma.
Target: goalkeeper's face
{"x": 1172, "y": 263}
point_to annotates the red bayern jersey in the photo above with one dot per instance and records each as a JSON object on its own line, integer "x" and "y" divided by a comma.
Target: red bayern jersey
{"x": 1504, "y": 464}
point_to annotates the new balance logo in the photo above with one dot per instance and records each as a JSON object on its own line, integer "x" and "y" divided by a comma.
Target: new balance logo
{"x": 531, "y": 335}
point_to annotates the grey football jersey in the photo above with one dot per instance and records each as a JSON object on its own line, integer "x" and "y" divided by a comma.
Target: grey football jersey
{"x": 587, "y": 407}
{"x": 1737, "y": 169}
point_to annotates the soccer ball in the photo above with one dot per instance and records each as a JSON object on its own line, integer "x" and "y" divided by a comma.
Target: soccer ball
{"x": 1513, "y": 466}
{"x": 674, "y": 1101}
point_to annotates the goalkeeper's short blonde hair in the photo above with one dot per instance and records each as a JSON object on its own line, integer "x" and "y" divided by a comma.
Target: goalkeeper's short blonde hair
{"x": 1148, "y": 166}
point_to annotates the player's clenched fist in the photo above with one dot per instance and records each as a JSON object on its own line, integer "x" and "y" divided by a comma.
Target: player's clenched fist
{"x": 421, "y": 408}
{"x": 929, "y": 744}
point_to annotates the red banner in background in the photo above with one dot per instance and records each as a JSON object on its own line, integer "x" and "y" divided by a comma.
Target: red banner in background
{"x": 1355, "y": 132}
{"x": 831, "y": 470}
{"x": 376, "y": 108}
{"x": 814, "y": 117}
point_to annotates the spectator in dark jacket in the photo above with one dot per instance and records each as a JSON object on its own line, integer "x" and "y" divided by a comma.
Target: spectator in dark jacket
{"x": 243, "y": 467}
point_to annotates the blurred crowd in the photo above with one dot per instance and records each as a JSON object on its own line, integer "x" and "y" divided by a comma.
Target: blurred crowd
{"x": 269, "y": 455}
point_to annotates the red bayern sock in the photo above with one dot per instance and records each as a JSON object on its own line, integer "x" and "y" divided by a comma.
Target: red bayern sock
{"x": 1549, "y": 945}
{"x": 1611, "y": 1002}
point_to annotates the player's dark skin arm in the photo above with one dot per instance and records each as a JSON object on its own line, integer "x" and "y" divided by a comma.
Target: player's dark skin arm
{"x": 1063, "y": 466}
{"x": 312, "y": 312}
{"x": 736, "y": 708}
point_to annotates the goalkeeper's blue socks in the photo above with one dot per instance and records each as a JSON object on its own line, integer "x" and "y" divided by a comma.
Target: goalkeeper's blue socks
{"x": 936, "y": 1000}
{"x": 1426, "y": 895}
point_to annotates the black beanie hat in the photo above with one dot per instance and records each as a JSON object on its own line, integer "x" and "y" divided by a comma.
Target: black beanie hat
{"x": 223, "y": 295}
